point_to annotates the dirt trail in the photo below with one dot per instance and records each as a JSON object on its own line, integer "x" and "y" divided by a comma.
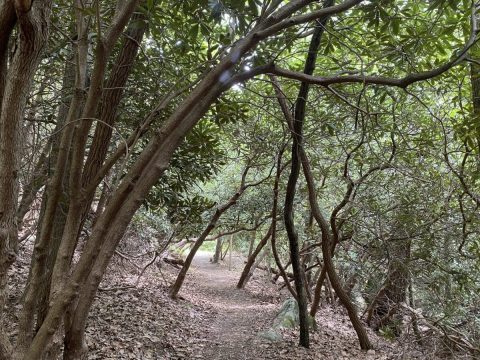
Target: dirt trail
{"x": 231, "y": 329}
{"x": 214, "y": 321}
{"x": 240, "y": 314}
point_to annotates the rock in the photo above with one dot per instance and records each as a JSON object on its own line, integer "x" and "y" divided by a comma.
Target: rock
{"x": 271, "y": 335}
{"x": 371, "y": 352}
{"x": 288, "y": 316}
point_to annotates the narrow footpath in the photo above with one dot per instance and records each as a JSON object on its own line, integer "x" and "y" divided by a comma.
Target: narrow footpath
{"x": 240, "y": 314}
{"x": 213, "y": 320}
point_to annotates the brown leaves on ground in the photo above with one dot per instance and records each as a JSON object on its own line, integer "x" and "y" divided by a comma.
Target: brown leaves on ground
{"x": 212, "y": 319}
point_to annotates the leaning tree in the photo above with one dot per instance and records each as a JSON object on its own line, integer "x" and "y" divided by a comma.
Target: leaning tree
{"x": 233, "y": 41}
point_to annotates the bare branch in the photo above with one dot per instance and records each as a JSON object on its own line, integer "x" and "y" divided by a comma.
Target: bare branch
{"x": 301, "y": 19}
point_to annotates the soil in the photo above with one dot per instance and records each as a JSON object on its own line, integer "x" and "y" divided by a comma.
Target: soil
{"x": 211, "y": 320}
{"x": 240, "y": 315}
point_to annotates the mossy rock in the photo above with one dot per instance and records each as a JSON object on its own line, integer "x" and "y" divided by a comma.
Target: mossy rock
{"x": 271, "y": 335}
{"x": 288, "y": 316}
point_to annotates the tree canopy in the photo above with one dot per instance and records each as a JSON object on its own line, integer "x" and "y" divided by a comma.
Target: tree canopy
{"x": 338, "y": 139}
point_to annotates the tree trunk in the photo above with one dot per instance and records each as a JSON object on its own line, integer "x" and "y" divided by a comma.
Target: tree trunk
{"x": 317, "y": 294}
{"x": 252, "y": 245}
{"x": 324, "y": 226}
{"x": 218, "y": 251}
{"x": 294, "y": 245}
{"x": 256, "y": 264}
{"x": 231, "y": 252}
{"x": 154, "y": 160}
{"x": 53, "y": 194}
{"x": 327, "y": 258}
{"x": 7, "y": 23}
{"x": 33, "y": 27}
{"x": 112, "y": 96}
{"x": 75, "y": 321}
{"x": 44, "y": 164}
{"x": 81, "y": 201}
{"x": 297, "y": 135}
{"x": 394, "y": 291}
{"x": 211, "y": 225}
{"x": 248, "y": 269}
{"x": 43, "y": 293}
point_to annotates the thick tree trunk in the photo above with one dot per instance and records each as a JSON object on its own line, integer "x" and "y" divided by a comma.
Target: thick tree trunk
{"x": 152, "y": 163}
{"x": 75, "y": 133}
{"x": 43, "y": 243}
{"x": 33, "y": 26}
{"x": 7, "y": 246}
{"x": 8, "y": 19}
{"x": 80, "y": 200}
{"x": 112, "y": 96}
{"x": 75, "y": 321}
{"x": 383, "y": 309}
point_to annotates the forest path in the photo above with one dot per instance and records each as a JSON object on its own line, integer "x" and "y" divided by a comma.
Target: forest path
{"x": 239, "y": 314}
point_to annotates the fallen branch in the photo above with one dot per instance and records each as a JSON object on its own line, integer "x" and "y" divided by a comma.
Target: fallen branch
{"x": 136, "y": 281}
{"x": 459, "y": 339}
{"x": 175, "y": 262}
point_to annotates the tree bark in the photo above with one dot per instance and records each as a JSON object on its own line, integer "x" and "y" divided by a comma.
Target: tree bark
{"x": 211, "y": 225}
{"x": 317, "y": 294}
{"x": 112, "y": 96}
{"x": 394, "y": 291}
{"x": 43, "y": 167}
{"x": 75, "y": 321}
{"x": 252, "y": 245}
{"x": 43, "y": 242}
{"x": 7, "y": 248}
{"x": 33, "y": 28}
{"x": 281, "y": 269}
{"x": 218, "y": 251}
{"x": 80, "y": 200}
{"x": 154, "y": 160}
{"x": 8, "y": 19}
{"x": 297, "y": 130}
{"x": 247, "y": 270}
{"x": 327, "y": 258}
{"x": 294, "y": 246}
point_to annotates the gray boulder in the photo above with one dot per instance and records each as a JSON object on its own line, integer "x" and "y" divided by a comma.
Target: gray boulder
{"x": 288, "y": 317}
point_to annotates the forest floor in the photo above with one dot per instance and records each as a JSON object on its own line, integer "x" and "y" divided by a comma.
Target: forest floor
{"x": 214, "y": 320}
{"x": 210, "y": 320}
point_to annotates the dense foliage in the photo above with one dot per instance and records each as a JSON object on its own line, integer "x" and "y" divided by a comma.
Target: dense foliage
{"x": 196, "y": 129}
